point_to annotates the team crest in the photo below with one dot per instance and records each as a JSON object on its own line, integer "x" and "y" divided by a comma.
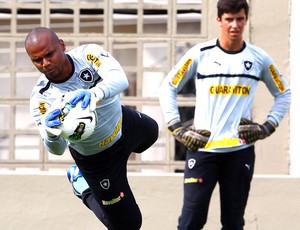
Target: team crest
{"x": 191, "y": 163}
{"x": 86, "y": 75}
{"x": 248, "y": 65}
{"x": 42, "y": 108}
{"x": 105, "y": 184}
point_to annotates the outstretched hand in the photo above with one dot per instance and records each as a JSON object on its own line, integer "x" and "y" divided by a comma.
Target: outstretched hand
{"x": 88, "y": 98}
{"x": 52, "y": 118}
{"x": 84, "y": 96}
{"x": 50, "y": 122}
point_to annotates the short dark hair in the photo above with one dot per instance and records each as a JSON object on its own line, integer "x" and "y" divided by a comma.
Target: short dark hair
{"x": 232, "y": 6}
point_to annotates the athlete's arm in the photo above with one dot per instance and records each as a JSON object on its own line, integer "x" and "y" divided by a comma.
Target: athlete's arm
{"x": 175, "y": 80}
{"x": 54, "y": 144}
{"x": 279, "y": 88}
{"x": 114, "y": 79}
{"x": 38, "y": 108}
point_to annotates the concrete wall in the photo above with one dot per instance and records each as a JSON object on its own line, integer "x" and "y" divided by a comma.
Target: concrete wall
{"x": 269, "y": 24}
{"x": 44, "y": 202}
{"x": 268, "y": 27}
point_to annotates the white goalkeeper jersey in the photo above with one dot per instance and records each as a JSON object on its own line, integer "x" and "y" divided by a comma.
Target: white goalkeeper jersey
{"x": 93, "y": 67}
{"x": 225, "y": 86}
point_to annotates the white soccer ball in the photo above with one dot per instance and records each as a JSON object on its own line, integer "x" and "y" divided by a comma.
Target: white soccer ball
{"x": 77, "y": 123}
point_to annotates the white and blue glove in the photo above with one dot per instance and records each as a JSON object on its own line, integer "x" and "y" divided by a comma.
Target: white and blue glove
{"x": 88, "y": 97}
{"x": 50, "y": 121}
{"x": 52, "y": 118}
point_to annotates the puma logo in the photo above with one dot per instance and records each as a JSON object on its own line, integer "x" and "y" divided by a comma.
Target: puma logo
{"x": 247, "y": 166}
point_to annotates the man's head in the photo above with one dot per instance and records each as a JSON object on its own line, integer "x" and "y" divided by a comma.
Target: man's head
{"x": 232, "y": 6}
{"x": 47, "y": 53}
{"x": 232, "y": 18}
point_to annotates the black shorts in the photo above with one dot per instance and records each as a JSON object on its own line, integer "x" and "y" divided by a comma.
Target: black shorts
{"x": 233, "y": 172}
{"x": 106, "y": 171}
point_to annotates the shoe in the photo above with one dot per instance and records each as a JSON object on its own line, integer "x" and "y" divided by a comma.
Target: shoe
{"x": 78, "y": 182}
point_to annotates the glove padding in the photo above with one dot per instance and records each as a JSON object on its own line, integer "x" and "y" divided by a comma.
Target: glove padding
{"x": 250, "y": 131}
{"x": 88, "y": 97}
{"x": 191, "y": 138}
{"x": 50, "y": 121}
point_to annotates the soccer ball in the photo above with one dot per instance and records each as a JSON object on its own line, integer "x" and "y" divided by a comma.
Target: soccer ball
{"x": 77, "y": 124}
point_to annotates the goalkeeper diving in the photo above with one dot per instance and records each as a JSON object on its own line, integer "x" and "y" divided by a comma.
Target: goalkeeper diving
{"x": 91, "y": 78}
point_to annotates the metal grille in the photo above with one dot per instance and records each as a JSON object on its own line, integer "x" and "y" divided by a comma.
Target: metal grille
{"x": 146, "y": 36}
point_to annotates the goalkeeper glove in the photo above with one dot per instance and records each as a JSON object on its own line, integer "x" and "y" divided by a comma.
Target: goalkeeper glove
{"x": 188, "y": 136}
{"x": 250, "y": 131}
{"x": 89, "y": 97}
{"x": 50, "y": 121}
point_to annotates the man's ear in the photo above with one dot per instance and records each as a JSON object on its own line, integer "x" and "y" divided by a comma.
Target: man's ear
{"x": 218, "y": 20}
{"x": 63, "y": 45}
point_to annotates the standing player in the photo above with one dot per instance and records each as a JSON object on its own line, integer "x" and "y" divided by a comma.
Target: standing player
{"x": 226, "y": 72}
{"x": 101, "y": 158}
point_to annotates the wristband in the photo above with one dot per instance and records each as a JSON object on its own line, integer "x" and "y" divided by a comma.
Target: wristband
{"x": 174, "y": 127}
{"x": 270, "y": 127}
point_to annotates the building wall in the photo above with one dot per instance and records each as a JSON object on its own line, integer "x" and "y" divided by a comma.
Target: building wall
{"x": 147, "y": 51}
{"x": 44, "y": 201}
{"x": 270, "y": 29}
{"x": 295, "y": 81}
